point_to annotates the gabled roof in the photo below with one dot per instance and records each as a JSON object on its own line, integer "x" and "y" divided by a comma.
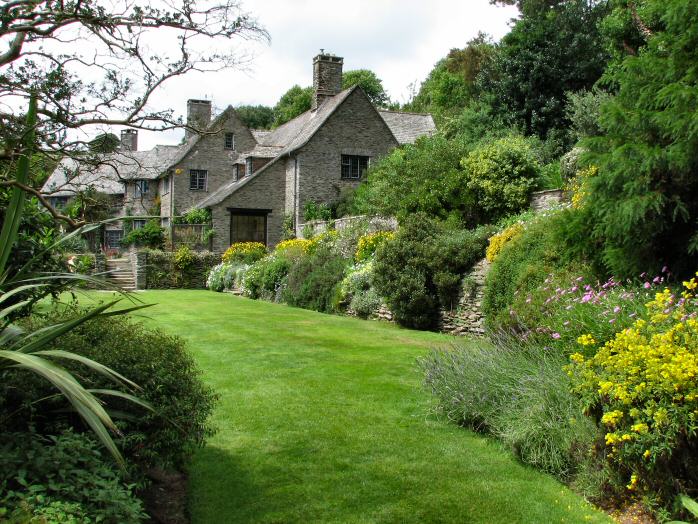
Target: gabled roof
{"x": 407, "y": 127}
{"x": 193, "y": 140}
{"x": 288, "y": 137}
{"x": 107, "y": 174}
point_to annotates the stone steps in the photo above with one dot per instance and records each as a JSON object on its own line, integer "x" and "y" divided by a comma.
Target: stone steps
{"x": 119, "y": 273}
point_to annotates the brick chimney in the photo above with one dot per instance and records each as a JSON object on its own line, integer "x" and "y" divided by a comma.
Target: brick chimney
{"x": 327, "y": 77}
{"x": 129, "y": 140}
{"x": 198, "y": 115}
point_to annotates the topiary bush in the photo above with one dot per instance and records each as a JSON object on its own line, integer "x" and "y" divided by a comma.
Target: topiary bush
{"x": 159, "y": 363}
{"x": 245, "y": 252}
{"x": 63, "y": 479}
{"x": 313, "y": 281}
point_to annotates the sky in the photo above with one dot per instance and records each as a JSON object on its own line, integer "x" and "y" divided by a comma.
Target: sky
{"x": 400, "y": 40}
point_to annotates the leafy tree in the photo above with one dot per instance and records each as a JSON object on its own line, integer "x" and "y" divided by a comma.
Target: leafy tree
{"x": 292, "y": 103}
{"x": 549, "y": 52}
{"x": 256, "y": 117}
{"x": 369, "y": 82}
{"x": 104, "y": 143}
{"x": 91, "y": 65}
{"x": 452, "y": 83}
{"x": 644, "y": 200}
{"x": 454, "y": 180}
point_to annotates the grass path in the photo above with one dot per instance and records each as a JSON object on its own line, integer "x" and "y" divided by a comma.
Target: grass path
{"x": 322, "y": 419}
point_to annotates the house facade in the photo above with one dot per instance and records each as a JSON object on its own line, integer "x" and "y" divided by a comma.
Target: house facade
{"x": 251, "y": 180}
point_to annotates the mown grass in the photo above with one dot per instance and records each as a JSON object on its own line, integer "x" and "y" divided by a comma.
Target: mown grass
{"x": 323, "y": 419}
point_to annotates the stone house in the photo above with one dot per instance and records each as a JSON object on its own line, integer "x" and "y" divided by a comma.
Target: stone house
{"x": 250, "y": 179}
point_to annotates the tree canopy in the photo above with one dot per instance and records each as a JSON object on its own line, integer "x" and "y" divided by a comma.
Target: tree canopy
{"x": 369, "y": 82}
{"x": 256, "y": 117}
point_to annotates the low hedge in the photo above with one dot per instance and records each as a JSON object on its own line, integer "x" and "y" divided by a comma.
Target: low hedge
{"x": 179, "y": 270}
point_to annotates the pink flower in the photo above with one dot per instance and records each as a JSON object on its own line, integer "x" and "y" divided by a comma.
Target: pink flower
{"x": 616, "y": 309}
{"x": 574, "y": 288}
{"x": 612, "y": 321}
{"x": 586, "y": 298}
{"x": 647, "y": 285}
{"x": 657, "y": 280}
{"x": 556, "y": 335}
{"x": 579, "y": 279}
{"x": 665, "y": 269}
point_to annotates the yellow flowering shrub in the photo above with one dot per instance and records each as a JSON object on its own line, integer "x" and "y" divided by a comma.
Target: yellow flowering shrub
{"x": 643, "y": 384}
{"x": 368, "y": 244}
{"x": 578, "y": 186}
{"x": 498, "y": 241}
{"x": 245, "y": 252}
{"x": 325, "y": 238}
{"x": 294, "y": 246}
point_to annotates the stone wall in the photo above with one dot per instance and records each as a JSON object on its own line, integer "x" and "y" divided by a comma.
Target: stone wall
{"x": 153, "y": 269}
{"x": 373, "y": 224}
{"x": 542, "y": 200}
{"x": 467, "y": 317}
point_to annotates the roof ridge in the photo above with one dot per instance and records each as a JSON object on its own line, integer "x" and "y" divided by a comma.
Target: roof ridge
{"x": 403, "y": 112}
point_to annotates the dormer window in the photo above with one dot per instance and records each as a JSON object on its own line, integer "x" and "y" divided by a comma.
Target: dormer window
{"x": 230, "y": 141}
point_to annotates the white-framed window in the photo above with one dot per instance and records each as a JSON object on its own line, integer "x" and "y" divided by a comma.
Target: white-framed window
{"x": 229, "y": 141}
{"x": 248, "y": 167}
{"x": 198, "y": 179}
{"x": 166, "y": 185}
{"x": 354, "y": 166}
{"x": 141, "y": 188}
{"x": 138, "y": 223}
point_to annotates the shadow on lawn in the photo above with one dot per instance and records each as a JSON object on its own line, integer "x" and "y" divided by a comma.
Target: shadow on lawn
{"x": 223, "y": 489}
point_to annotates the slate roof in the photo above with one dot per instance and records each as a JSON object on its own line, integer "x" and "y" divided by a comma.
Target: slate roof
{"x": 108, "y": 175}
{"x": 407, "y": 127}
{"x": 259, "y": 134}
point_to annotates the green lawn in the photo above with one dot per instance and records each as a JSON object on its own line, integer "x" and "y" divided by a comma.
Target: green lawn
{"x": 322, "y": 419}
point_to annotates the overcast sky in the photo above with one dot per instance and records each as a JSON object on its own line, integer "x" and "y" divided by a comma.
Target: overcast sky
{"x": 400, "y": 40}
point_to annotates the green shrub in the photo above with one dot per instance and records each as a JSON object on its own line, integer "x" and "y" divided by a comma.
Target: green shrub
{"x": 366, "y": 303}
{"x": 368, "y": 244}
{"x": 264, "y": 278}
{"x": 422, "y": 267}
{"x": 357, "y": 292}
{"x": 316, "y": 211}
{"x": 159, "y": 363}
{"x": 313, "y": 281}
{"x": 194, "y": 216}
{"x": 500, "y": 176}
{"x": 520, "y": 395}
{"x": 150, "y": 235}
{"x": 62, "y": 478}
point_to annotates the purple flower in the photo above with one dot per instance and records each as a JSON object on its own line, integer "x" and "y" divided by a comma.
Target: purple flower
{"x": 616, "y": 309}
{"x": 586, "y": 298}
{"x": 556, "y": 335}
{"x": 656, "y": 280}
{"x": 579, "y": 279}
{"x": 665, "y": 269}
{"x": 574, "y": 288}
{"x": 612, "y": 321}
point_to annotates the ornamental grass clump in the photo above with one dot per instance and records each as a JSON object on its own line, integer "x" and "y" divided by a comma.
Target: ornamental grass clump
{"x": 245, "y": 252}
{"x": 641, "y": 385}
